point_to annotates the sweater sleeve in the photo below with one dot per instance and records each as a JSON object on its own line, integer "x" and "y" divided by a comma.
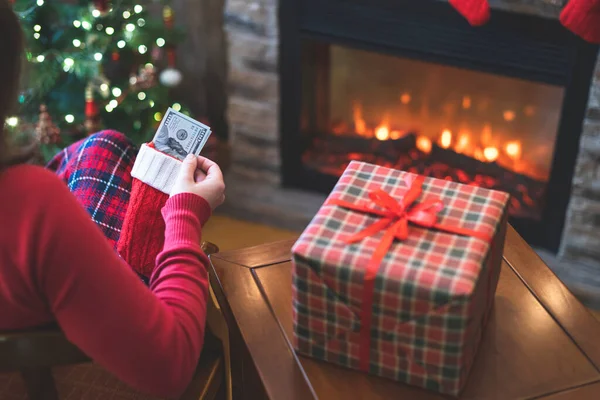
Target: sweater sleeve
{"x": 150, "y": 339}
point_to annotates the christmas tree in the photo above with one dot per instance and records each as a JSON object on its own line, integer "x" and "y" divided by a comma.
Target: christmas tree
{"x": 95, "y": 64}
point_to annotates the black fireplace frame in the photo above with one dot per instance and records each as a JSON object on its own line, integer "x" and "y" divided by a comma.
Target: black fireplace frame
{"x": 510, "y": 44}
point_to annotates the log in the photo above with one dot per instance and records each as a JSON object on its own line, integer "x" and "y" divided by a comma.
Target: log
{"x": 474, "y": 166}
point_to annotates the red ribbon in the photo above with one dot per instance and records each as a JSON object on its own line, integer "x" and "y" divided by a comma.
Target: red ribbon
{"x": 396, "y": 215}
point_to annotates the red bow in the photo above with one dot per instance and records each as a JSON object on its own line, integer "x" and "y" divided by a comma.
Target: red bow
{"x": 396, "y": 215}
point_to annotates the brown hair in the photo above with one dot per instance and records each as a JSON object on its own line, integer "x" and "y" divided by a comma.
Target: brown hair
{"x": 11, "y": 49}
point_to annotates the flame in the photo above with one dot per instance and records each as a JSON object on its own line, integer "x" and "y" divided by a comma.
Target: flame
{"x": 485, "y": 145}
{"x": 463, "y": 143}
{"x": 424, "y": 144}
{"x": 360, "y": 126}
{"x": 446, "y": 138}
{"x": 382, "y": 132}
{"x": 490, "y": 153}
{"x": 513, "y": 149}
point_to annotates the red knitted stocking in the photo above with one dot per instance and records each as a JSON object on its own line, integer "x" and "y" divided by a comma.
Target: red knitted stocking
{"x": 143, "y": 233}
{"x": 582, "y": 17}
{"x": 477, "y": 12}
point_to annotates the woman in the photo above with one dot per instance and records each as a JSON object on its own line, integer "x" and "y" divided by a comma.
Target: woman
{"x": 56, "y": 265}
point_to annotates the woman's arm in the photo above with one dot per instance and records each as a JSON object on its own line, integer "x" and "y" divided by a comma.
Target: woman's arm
{"x": 151, "y": 339}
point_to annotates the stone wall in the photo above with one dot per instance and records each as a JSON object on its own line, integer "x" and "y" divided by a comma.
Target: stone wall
{"x": 253, "y": 104}
{"x": 581, "y": 236}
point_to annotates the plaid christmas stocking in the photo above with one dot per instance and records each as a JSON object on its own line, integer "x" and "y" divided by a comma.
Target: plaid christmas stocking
{"x": 142, "y": 234}
{"x": 582, "y": 17}
{"x": 477, "y": 12}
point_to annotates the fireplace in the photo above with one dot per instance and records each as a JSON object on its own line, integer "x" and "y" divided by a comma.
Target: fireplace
{"x": 414, "y": 87}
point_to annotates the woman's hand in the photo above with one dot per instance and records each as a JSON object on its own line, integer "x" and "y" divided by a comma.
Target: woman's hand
{"x": 202, "y": 177}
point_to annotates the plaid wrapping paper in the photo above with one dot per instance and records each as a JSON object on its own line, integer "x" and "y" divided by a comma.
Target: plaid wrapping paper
{"x": 433, "y": 291}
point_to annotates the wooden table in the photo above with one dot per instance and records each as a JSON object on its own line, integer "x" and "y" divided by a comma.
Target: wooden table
{"x": 541, "y": 342}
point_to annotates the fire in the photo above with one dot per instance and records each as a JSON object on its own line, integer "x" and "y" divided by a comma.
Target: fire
{"x": 463, "y": 143}
{"x": 490, "y": 153}
{"x": 382, "y": 132}
{"x": 446, "y": 139}
{"x": 360, "y": 126}
{"x": 513, "y": 149}
{"x": 424, "y": 144}
{"x": 484, "y": 145}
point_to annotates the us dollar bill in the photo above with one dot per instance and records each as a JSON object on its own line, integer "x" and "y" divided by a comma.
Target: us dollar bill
{"x": 179, "y": 135}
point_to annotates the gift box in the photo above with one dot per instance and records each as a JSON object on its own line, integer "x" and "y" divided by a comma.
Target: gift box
{"x": 396, "y": 275}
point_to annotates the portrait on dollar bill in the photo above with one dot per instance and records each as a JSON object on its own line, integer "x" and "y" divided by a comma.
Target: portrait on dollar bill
{"x": 169, "y": 145}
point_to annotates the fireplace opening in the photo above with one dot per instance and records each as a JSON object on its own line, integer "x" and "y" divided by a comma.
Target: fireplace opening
{"x": 437, "y": 120}
{"x": 411, "y": 85}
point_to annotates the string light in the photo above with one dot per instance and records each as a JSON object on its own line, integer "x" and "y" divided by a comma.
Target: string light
{"x": 142, "y": 49}
{"x": 99, "y": 27}
{"x": 141, "y": 95}
{"x": 160, "y": 42}
{"x": 37, "y": 28}
{"x": 96, "y": 13}
{"x": 151, "y": 102}
{"x": 177, "y": 107}
{"x": 148, "y": 65}
{"x": 141, "y": 22}
{"x": 130, "y": 27}
{"x": 113, "y": 103}
{"x": 126, "y": 14}
{"x": 104, "y": 87}
{"x": 116, "y": 92}
{"x": 69, "y": 62}
{"x": 86, "y": 25}
{"x": 76, "y": 42}
{"x": 40, "y": 2}
{"x": 110, "y": 30}
{"x": 138, "y": 8}
{"x": 12, "y": 121}
{"x": 36, "y": 35}
{"x": 40, "y": 58}
{"x": 108, "y": 108}
{"x": 98, "y": 56}
{"x": 76, "y": 23}
{"x": 69, "y": 118}
{"x": 121, "y": 44}
{"x": 157, "y": 116}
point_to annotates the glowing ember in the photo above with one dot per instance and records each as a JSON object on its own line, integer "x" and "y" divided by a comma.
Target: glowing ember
{"x": 395, "y": 135}
{"x": 490, "y": 153}
{"x": 405, "y": 98}
{"x": 446, "y": 139}
{"x": 382, "y": 132}
{"x": 424, "y": 144}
